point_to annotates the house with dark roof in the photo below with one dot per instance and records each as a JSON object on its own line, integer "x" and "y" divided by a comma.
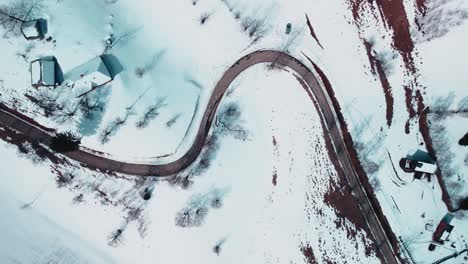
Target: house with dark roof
{"x": 420, "y": 163}
{"x": 443, "y": 230}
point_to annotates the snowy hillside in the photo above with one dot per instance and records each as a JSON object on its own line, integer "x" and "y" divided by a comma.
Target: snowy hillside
{"x": 135, "y": 80}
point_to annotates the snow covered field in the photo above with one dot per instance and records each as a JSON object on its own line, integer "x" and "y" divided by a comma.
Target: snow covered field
{"x": 384, "y": 77}
{"x": 271, "y": 186}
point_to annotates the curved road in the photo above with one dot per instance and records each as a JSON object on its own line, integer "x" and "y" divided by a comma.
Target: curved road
{"x": 332, "y": 126}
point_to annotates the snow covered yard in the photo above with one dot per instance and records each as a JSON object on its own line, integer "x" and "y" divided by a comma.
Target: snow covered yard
{"x": 265, "y": 197}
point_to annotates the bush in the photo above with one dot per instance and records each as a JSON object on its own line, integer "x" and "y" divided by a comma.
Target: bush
{"x": 65, "y": 142}
{"x": 464, "y": 140}
{"x": 463, "y": 204}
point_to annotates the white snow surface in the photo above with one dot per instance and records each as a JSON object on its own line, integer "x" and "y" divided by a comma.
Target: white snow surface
{"x": 183, "y": 61}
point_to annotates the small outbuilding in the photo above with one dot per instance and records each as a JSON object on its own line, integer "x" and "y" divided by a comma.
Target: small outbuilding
{"x": 95, "y": 72}
{"x": 45, "y": 72}
{"x": 34, "y": 29}
{"x": 444, "y": 229}
{"x": 420, "y": 163}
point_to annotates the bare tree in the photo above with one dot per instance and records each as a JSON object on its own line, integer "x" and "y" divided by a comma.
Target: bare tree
{"x": 65, "y": 178}
{"x": 151, "y": 112}
{"x": 216, "y": 197}
{"x": 173, "y": 120}
{"x": 183, "y": 181}
{"x": 117, "y": 123}
{"x": 218, "y": 247}
{"x": 68, "y": 112}
{"x": 112, "y": 128}
{"x": 89, "y": 105}
{"x": 48, "y": 101}
{"x": 150, "y": 65}
{"x": 194, "y": 213}
{"x": 78, "y": 199}
{"x": 204, "y": 17}
{"x": 13, "y": 15}
{"x": 207, "y": 156}
{"x": 440, "y": 17}
{"x": 116, "y": 237}
{"x": 463, "y": 105}
{"x": 228, "y": 121}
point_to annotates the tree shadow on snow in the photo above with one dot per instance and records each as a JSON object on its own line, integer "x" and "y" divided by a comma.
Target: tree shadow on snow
{"x": 90, "y": 121}
{"x": 113, "y": 64}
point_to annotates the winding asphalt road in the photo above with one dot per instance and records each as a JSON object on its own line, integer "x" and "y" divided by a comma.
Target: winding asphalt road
{"x": 328, "y": 114}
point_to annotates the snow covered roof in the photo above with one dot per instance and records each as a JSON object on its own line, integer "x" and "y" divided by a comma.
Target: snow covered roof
{"x": 48, "y": 72}
{"x": 43, "y": 72}
{"x": 421, "y": 161}
{"x": 34, "y": 29}
{"x": 425, "y": 167}
{"x": 35, "y": 72}
{"x": 94, "y": 71}
{"x": 31, "y": 29}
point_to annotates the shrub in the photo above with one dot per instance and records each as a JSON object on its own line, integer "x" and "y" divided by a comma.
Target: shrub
{"x": 464, "y": 140}
{"x": 65, "y": 142}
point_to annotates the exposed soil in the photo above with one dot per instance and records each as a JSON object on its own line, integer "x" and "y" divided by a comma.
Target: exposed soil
{"x": 339, "y": 194}
{"x": 309, "y": 254}
{"x": 409, "y": 102}
{"x": 312, "y": 32}
{"x": 421, "y": 6}
{"x": 393, "y": 14}
{"x": 377, "y": 69}
{"x": 424, "y": 130}
{"x": 274, "y": 179}
{"x": 354, "y": 158}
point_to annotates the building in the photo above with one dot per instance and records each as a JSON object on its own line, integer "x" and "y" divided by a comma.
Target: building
{"x": 93, "y": 73}
{"x": 443, "y": 230}
{"x": 45, "y": 72}
{"x": 34, "y": 29}
{"x": 420, "y": 163}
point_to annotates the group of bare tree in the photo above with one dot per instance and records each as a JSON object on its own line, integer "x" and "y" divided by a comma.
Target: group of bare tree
{"x": 116, "y": 238}
{"x": 112, "y": 128}
{"x": 150, "y": 65}
{"x": 438, "y": 19}
{"x": 62, "y": 106}
{"x": 444, "y": 106}
{"x": 228, "y": 121}
{"x": 151, "y": 112}
{"x": 194, "y": 213}
{"x": 441, "y": 108}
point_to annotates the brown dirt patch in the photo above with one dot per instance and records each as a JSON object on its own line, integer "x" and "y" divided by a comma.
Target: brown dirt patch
{"x": 308, "y": 254}
{"x": 425, "y": 133}
{"x": 421, "y": 6}
{"x": 274, "y": 179}
{"x": 312, "y": 32}
{"x": 339, "y": 195}
{"x": 393, "y": 14}
{"x": 354, "y": 158}
{"x": 377, "y": 69}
